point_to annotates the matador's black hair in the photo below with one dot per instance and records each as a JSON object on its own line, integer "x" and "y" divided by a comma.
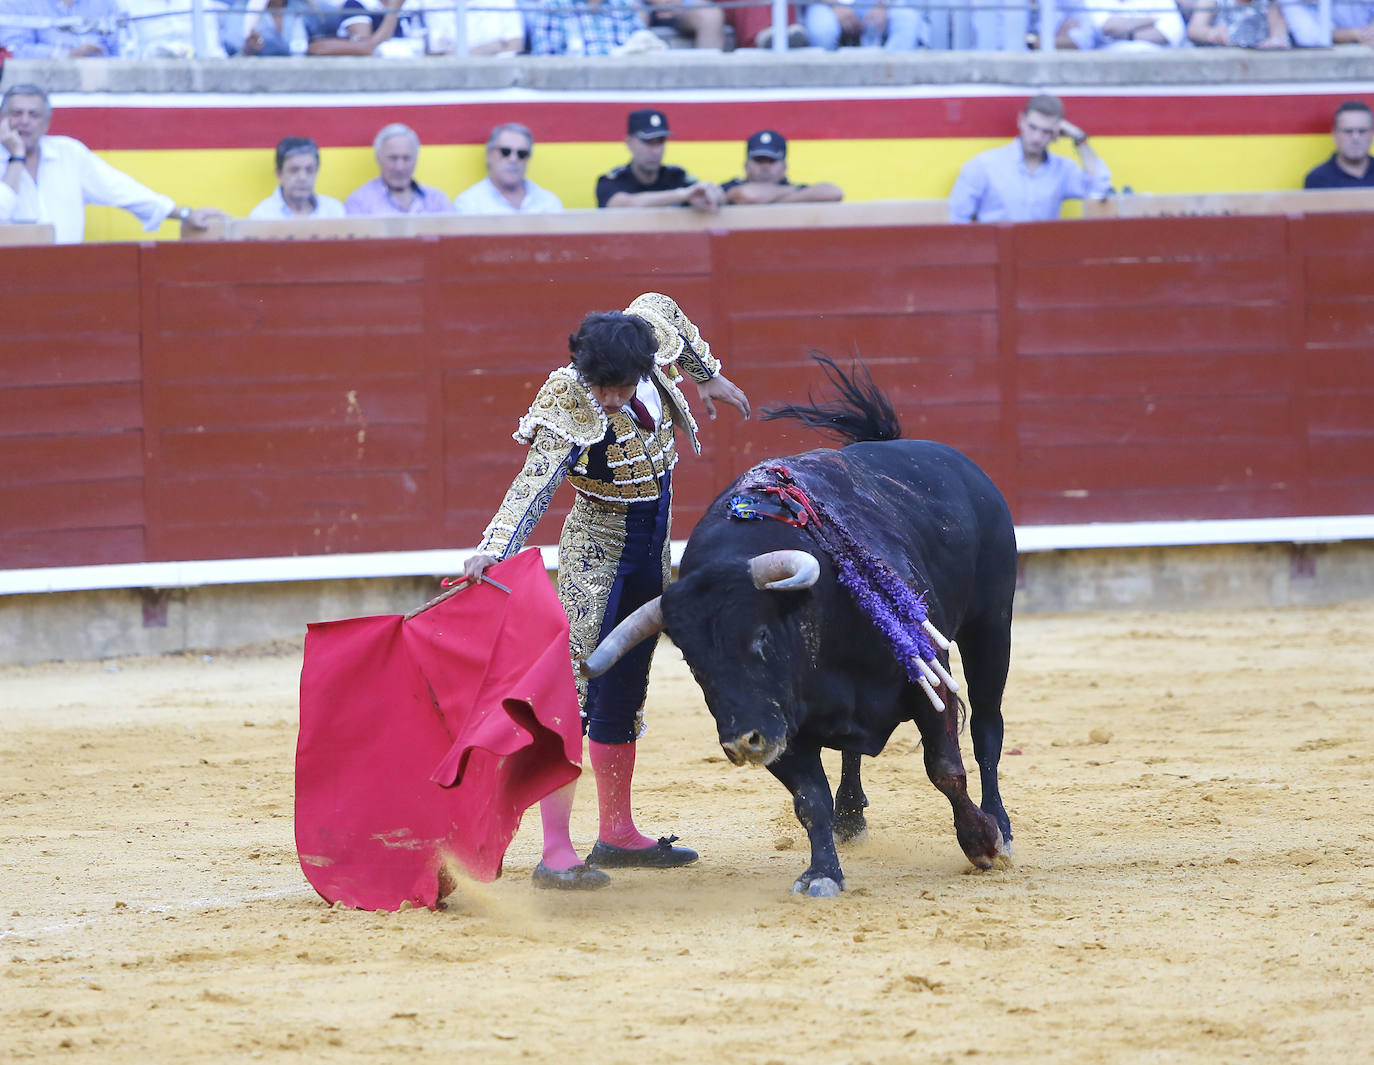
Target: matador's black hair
{"x": 613, "y": 348}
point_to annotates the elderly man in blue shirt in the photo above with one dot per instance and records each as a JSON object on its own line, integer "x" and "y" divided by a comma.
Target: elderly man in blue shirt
{"x": 1022, "y": 181}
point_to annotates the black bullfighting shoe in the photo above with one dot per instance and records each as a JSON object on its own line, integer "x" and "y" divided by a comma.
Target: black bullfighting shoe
{"x": 578, "y": 878}
{"x": 660, "y": 855}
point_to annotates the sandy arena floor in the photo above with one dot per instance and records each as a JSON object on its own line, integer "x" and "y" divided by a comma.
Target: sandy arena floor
{"x": 1191, "y": 795}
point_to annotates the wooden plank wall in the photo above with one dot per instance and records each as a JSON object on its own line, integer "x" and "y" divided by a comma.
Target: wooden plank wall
{"x": 227, "y": 400}
{"x": 71, "y": 407}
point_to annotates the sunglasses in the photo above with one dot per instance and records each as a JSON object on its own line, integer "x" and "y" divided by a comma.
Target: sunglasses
{"x": 519, "y": 153}
{"x": 763, "y": 159}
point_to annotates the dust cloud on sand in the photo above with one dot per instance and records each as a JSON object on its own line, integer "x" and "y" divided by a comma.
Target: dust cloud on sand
{"x": 1190, "y": 794}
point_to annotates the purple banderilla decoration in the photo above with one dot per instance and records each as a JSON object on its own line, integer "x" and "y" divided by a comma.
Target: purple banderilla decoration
{"x": 883, "y": 596}
{"x": 877, "y": 589}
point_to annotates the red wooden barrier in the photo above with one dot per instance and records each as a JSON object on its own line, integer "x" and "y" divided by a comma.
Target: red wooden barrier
{"x": 162, "y": 402}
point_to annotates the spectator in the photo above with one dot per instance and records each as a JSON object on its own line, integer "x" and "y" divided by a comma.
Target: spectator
{"x": 870, "y": 23}
{"x": 298, "y": 164}
{"x": 983, "y": 25}
{"x": 165, "y": 29}
{"x": 497, "y": 29}
{"x": 1022, "y": 181}
{"x": 268, "y": 27}
{"x": 506, "y": 189}
{"x": 1348, "y": 167}
{"x": 355, "y": 30}
{"x": 583, "y": 27}
{"x": 644, "y": 181}
{"x": 78, "y": 28}
{"x": 765, "y": 176}
{"x": 1238, "y": 24}
{"x": 395, "y": 190}
{"x": 1122, "y": 25}
{"x": 700, "y": 20}
{"x": 1352, "y": 22}
{"x": 72, "y": 176}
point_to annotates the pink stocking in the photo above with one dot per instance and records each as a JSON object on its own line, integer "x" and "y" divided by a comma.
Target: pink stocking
{"x": 614, "y": 766}
{"x": 555, "y": 811}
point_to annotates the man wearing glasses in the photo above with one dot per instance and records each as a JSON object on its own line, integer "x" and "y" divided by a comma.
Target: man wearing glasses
{"x": 1349, "y": 167}
{"x": 506, "y": 189}
{"x": 765, "y": 176}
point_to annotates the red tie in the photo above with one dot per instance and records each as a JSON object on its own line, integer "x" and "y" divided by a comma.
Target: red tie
{"x": 641, "y": 413}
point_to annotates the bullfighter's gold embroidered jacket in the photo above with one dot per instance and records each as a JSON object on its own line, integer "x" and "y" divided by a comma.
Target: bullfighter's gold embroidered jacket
{"x": 605, "y": 457}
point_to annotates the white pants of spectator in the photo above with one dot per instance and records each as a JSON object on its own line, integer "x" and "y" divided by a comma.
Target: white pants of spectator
{"x": 903, "y": 28}
{"x": 984, "y": 25}
{"x": 1301, "y": 16}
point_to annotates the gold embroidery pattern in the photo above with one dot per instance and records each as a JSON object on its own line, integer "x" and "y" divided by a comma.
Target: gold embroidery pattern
{"x": 566, "y": 407}
{"x": 528, "y": 497}
{"x": 589, "y": 553}
{"x": 679, "y": 340}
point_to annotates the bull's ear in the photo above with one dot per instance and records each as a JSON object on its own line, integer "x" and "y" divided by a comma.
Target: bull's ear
{"x": 779, "y": 571}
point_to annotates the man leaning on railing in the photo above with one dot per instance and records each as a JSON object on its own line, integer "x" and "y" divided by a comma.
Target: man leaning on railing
{"x": 59, "y": 29}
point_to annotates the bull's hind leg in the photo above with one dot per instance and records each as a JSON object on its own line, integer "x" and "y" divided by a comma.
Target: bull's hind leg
{"x": 850, "y": 800}
{"x": 978, "y": 833}
{"x": 986, "y": 651}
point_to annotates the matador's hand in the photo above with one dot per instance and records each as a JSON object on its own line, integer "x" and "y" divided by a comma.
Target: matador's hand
{"x": 722, "y": 388}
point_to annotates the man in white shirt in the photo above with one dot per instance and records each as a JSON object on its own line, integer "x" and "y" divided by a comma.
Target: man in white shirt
{"x": 51, "y": 179}
{"x": 298, "y": 164}
{"x": 505, "y": 189}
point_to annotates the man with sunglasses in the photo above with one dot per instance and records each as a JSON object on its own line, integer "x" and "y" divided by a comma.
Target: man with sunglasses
{"x": 765, "y": 176}
{"x": 506, "y": 189}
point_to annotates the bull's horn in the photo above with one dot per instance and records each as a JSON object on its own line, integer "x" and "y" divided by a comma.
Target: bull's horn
{"x": 784, "y": 570}
{"x": 645, "y": 622}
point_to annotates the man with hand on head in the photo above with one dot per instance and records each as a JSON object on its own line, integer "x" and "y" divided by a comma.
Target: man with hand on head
{"x": 52, "y": 179}
{"x": 644, "y": 181}
{"x": 298, "y": 164}
{"x": 506, "y": 189}
{"x": 765, "y": 176}
{"x": 1023, "y": 181}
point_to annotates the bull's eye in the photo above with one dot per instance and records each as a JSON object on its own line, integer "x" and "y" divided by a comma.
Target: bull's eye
{"x": 758, "y": 646}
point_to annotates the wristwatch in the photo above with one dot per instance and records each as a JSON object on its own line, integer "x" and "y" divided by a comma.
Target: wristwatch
{"x": 182, "y": 213}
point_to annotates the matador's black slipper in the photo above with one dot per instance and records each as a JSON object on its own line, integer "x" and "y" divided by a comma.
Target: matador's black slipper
{"x": 578, "y": 878}
{"x": 660, "y": 855}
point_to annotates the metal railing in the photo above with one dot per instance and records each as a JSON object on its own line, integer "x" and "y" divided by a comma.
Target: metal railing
{"x": 1045, "y": 16}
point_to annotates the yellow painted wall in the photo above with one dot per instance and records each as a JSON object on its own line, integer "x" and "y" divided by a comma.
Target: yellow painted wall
{"x": 918, "y": 168}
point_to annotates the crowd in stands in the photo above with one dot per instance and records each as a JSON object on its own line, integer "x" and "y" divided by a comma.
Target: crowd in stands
{"x": 405, "y": 28}
{"x": 50, "y": 179}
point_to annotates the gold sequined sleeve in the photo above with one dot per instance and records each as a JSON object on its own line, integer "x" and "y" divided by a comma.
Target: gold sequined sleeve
{"x": 547, "y": 463}
{"x": 679, "y": 340}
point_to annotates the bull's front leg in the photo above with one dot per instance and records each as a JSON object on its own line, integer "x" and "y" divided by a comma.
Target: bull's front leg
{"x": 801, "y": 772}
{"x": 850, "y": 800}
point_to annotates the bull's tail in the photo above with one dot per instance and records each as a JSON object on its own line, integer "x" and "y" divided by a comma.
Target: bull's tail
{"x": 861, "y": 411}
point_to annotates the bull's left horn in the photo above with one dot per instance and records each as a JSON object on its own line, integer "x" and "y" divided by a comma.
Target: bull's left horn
{"x": 645, "y": 622}
{"x": 784, "y": 570}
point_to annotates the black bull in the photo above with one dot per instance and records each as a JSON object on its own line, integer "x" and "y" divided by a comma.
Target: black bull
{"x": 798, "y": 666}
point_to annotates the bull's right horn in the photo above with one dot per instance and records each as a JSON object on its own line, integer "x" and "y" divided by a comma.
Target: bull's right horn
{"x": 645, "y": 622}
{"x": 784, "y": 570}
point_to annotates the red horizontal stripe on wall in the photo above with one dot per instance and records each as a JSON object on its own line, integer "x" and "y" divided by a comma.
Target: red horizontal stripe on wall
{"x": 192, "y": 127}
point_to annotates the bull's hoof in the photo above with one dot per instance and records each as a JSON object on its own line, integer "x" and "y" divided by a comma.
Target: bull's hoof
{"x": 979, "y": 836}
{"x": 821, "y": 888}
{"x": 850, "y": 828}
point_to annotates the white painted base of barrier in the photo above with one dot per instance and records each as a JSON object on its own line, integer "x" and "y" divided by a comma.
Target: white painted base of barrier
{"x": 191, "y": 574}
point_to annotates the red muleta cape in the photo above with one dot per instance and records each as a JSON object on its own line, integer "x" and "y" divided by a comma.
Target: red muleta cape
{"x": 423, "y": 740}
